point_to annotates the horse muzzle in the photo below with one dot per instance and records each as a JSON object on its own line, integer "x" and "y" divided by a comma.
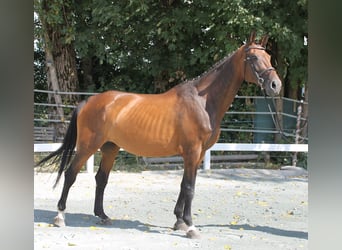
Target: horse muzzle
{"x": 272, "y": 86}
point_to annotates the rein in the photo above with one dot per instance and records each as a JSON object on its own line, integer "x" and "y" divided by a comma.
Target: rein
{"x": 275, "y": 118}
{"x": 250, "y": 58}
{"x": 261, "y": 80}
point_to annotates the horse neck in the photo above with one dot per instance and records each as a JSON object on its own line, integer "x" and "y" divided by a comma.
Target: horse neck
{"x": 221, "y": 85}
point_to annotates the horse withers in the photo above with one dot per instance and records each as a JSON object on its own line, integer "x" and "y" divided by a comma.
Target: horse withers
{"x": 184, "y": 120}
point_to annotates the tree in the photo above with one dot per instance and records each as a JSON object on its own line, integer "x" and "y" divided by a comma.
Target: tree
{"x": 149, "y": 46}
{"x": 57, "y": 34}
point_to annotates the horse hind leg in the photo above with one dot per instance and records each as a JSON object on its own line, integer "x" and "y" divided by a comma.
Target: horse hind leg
{"x": 109, "y": 151}
{"x": 69, "y": 178}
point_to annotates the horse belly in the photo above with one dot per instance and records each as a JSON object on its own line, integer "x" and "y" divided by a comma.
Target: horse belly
{"x": 143, "y": 144}
{"x": 145, "y": 131}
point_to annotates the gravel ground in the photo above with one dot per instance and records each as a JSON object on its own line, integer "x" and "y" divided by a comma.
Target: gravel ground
{"x": 233, "y": 209}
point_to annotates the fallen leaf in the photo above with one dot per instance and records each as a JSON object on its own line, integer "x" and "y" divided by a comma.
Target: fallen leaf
{"x": 290, "y": 212}
{"x": 227, "y": 247}
{"x": 234, "y": 222}
{"x": 239, "y": 193}
{"x": 262, "y": 203}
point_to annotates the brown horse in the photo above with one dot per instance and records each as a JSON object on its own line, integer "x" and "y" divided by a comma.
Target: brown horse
{"x": 183, "y": 121}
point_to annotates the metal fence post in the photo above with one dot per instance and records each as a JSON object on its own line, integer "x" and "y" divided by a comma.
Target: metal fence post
{"x": 298, "y": 129}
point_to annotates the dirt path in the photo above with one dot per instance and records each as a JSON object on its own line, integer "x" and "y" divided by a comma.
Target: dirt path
{"x": 233, "y": 209}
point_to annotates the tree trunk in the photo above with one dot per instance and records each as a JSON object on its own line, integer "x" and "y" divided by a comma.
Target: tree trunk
{"x": 65, "y": 61}
{"x": 60, "y": 58}
{"x": 292, "y": 92}
{"x": 279, "y": 109}
{"x": 53, "y": 83}
{"x": 282, "y": 73}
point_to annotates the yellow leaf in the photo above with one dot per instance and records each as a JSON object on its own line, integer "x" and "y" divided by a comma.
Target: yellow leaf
{"x": 71, "y": 244}
{"x": 227, "y": 247}
{"x": 93, "y": 228}
{"x": 45, "y": 225}
{"x": 262, "y": 203}
{"x": 233, "y": 222}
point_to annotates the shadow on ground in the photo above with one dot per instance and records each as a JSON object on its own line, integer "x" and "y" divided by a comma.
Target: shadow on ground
{"x": 264, "y": 229}
{"x": 85, "y": 220}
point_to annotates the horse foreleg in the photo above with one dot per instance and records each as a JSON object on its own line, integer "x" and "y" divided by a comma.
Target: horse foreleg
{"x": 179, "y": 209}
{"x": 184, "y": 202}
{"x": 109, "y": 152}
{"x": 189, "y": 190}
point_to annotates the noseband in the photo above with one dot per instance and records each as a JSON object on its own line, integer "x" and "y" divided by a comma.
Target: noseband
{"x": 250, "y": 59}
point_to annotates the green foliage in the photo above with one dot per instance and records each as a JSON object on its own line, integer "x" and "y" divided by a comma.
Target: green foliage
{"x": 138, "y": 44}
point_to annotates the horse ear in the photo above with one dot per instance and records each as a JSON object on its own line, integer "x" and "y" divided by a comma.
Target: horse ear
{"x": 264, "y": 40}
{"x": 252, "y": 37}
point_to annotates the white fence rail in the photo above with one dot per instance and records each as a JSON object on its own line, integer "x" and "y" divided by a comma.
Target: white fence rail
{"x": 50, "y": 147}
{"x": 258, "y": 147}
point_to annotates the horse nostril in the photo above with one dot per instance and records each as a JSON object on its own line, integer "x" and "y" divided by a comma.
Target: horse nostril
{"x": 273, "y": 85}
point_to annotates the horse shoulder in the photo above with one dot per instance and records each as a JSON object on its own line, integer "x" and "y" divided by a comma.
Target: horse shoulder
{"x": 193, "y": 108}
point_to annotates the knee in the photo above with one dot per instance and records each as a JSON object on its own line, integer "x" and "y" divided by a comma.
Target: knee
{"x": 188, "y": 190}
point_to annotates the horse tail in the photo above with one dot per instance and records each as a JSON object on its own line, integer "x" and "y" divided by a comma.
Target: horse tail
{"x": 66, "y": 151}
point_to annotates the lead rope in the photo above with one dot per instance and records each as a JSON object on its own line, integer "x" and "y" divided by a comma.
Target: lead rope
{"x": 276, "y": 120}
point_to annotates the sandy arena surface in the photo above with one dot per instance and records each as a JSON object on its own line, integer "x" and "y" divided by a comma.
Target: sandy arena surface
{"x": 233, "y": 209}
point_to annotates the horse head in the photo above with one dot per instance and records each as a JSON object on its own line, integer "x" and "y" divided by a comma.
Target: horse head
{"x": 258, "y": 68}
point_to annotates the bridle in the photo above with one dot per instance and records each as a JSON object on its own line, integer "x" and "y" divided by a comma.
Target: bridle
{"x": 250, "y": 58}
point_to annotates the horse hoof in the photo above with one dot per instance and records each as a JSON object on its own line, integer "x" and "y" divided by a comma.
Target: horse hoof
{"x": 180, "y": 226}
{"x": 59, "y": 222}
{"x": 193, "y": 233}
{"x": 106, "y": 222}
